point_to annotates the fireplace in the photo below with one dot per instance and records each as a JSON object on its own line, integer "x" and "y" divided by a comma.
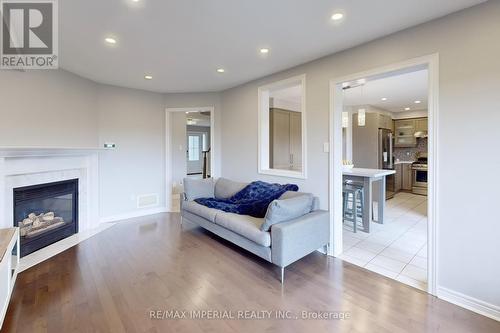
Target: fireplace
{"x": 45, "y": 213}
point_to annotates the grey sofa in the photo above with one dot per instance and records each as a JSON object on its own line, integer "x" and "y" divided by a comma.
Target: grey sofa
{"x": 285, "y": 243}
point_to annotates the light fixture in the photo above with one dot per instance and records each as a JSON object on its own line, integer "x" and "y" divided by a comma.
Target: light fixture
{"x": 384, "y": 99}
{"x": 220, "y": 70}
{"x": 337, "y": 16}
{"x": 345, "y": 119}
{"x": 136, "y": 0}
{"x": 417, "y": 102}
{"x": 264, "y": 51}
{"x": 407, "y": 109}
{"x": 148, "y": 77}
{"x": 361, "y": 117}
{"x": 345, "y": 84}
{"x": 110, "y": 40}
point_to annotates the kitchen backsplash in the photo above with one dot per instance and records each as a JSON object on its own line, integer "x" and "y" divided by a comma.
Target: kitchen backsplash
{"x": 401, "y": 153}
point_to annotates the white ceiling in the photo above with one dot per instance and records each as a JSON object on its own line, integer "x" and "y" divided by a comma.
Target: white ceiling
{"x": 182, "y": 43}
{"x": 401, "y": 91}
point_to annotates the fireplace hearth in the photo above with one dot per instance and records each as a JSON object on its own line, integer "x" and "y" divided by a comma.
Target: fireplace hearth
{"x": 45, "y": 213}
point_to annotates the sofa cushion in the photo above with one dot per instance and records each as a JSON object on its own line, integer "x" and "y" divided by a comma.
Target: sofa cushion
{"x": 245, "y": 226}
{"x": 293, "y": 194}
{"x": 225, "y": 188}
{"x": 198, "y": 188}
{"x": 282, "y": 210}
{"x": 200, "y": 210}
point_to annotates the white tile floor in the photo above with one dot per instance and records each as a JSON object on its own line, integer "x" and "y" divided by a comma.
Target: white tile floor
{"x": 397, "y": 248}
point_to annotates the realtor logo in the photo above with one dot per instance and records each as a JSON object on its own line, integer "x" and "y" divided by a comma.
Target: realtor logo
{"x": 29, "y": 34}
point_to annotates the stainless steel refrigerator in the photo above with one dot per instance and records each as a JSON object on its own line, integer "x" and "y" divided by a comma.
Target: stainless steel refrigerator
{"x": 386, "y": 159}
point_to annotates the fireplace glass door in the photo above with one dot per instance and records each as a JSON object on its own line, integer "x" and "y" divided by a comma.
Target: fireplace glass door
{"x": 45, "y": 213}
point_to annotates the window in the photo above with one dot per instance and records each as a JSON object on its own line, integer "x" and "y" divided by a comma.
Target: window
{"x": 282, "y": 137}
{"x": 194, "y": 148}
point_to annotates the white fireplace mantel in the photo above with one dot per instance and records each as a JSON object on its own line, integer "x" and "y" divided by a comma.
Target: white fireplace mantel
{"x": 45, "y": 151}
{"x": 25, "y": 166}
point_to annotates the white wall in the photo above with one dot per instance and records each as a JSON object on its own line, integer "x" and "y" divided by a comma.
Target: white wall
{"x": 179, "y": 147}
{"x": 53, "y": 108}
{"x": 135, "y": 121}
{"x": 469, "y": 115}
{"x": 38, "y": 108}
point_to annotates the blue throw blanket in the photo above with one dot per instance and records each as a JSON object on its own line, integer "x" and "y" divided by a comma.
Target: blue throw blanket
{"x": 251, "y": 200}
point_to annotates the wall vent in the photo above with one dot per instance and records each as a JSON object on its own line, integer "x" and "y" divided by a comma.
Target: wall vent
{"x": 147, "y": 200}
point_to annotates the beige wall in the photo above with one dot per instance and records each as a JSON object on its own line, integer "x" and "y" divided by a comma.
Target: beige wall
{"x": 469, "y": 115}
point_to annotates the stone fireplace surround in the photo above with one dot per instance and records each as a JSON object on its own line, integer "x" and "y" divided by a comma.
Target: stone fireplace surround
{"x": 25, "y": 166}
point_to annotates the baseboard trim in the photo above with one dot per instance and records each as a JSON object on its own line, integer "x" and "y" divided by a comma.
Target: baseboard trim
{"x": 134, "y": 214}
{"x": 470, "y": 303}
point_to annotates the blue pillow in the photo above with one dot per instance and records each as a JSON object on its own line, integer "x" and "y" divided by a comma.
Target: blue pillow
{"x": 287, "y": 209}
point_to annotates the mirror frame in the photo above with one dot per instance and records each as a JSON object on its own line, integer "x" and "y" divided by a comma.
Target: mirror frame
{"x": 263, "y": 124}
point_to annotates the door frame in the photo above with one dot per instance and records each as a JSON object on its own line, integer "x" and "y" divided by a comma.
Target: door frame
{"x": 168, "y": 147}
{"x": 335, "y": 158}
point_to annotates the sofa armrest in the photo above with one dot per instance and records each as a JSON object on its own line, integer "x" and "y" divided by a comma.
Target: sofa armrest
{"x": 198, "y": 188}
{"x": 295, "y": 239}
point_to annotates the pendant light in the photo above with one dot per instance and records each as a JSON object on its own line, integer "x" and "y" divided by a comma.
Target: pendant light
{"x": 362, "y": 112}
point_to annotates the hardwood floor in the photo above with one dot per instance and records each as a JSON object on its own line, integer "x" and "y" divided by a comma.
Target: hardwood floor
{"x": 111, "y": 282}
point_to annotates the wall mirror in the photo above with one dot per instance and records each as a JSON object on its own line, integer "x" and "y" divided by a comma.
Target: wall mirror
{"x": 282, "y": 137}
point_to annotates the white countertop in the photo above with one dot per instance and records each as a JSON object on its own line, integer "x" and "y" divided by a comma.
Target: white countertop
{"x": 370, "y": 173}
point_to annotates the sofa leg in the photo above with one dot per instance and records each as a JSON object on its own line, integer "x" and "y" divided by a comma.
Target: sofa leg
{"x": 282, "y": 279}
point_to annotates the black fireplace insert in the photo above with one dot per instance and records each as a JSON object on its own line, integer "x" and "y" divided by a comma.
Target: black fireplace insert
{"x": 45, "y": 213}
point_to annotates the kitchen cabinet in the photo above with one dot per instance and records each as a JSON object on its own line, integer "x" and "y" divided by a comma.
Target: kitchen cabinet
{"x": 421, "y": 125}
{"x": 398, "y": 177}
{"x": 406, "y": 182}
{"x": 404, "y": 135}
{"x": 285, "y": 139}
{"x": 402, "y": 177}
{"x": 385, "y": 122}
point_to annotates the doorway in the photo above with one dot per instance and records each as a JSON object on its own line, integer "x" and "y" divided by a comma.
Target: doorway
{"x": 344, "y": 123}
{"x": 189, "y": 149}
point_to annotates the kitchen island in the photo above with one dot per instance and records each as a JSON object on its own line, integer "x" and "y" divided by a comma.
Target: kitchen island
{"x": 367, "y": 177}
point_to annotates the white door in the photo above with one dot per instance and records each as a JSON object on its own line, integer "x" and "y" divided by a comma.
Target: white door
{"x": 194, "y": 153}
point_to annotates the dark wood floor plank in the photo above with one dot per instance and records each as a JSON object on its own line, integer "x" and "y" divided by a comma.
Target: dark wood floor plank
{"x": 111, "y": 282}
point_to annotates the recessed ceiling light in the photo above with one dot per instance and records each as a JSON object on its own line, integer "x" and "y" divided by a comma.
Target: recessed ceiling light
{"x": 361, "y": 81}
{"x": 337, "y": 16}
{"x": 220, "y": 70}
{"x": 384, "y": 98}
{"x": 264, "y": 51}
{"x": 418, "y": 102}
{"x": 407, "y": 109}
{"x": 148, "y": 77}
{"x": 345, "y": 84}
{"x": 136, "y": 0}
{"x": 110, "y": 40}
